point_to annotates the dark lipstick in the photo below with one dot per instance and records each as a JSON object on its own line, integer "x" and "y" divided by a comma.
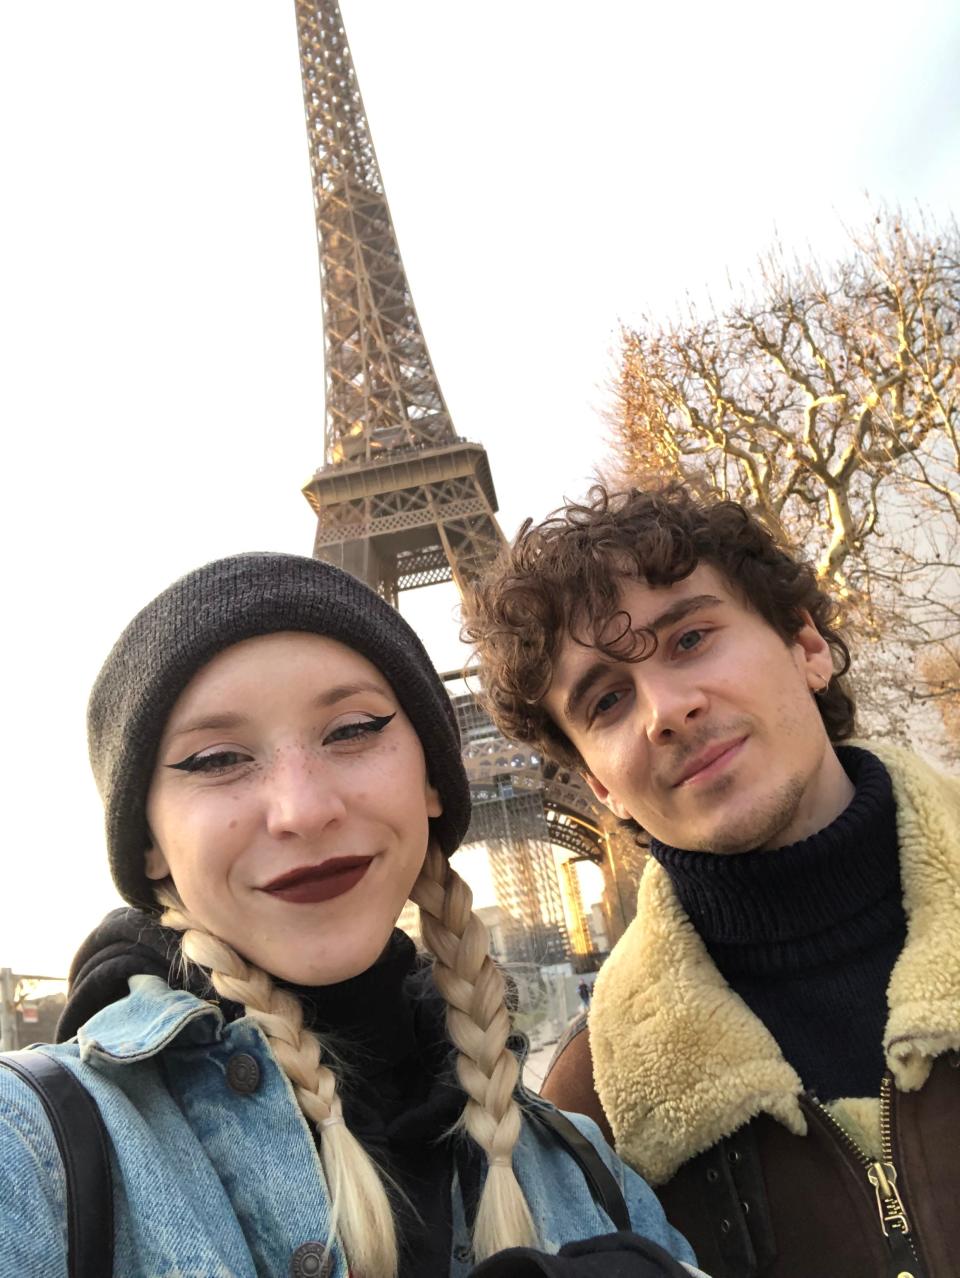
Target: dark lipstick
{"x": 320, "y": 882}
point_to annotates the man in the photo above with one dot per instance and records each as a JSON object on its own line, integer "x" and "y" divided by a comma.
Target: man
{"x": 774, "y": 1041}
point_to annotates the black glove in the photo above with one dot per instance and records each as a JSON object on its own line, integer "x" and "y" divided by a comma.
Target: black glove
{"x": 619, "y": 1255}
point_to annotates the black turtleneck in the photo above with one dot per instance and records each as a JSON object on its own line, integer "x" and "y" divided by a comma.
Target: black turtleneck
{"x": 808, "y": 934}
{"x": 399, "y": 1092}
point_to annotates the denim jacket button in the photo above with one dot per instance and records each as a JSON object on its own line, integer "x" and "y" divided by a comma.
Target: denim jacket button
{"x": 462, "y": 1253}
{"x": 243, "y": 1073}
{"x": 310, "y": 1261}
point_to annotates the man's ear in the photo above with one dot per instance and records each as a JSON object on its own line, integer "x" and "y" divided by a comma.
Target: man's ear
{"x": 155, "y": 864}
{"x": 605, "y": 797}
{"x": 814, "y": 653}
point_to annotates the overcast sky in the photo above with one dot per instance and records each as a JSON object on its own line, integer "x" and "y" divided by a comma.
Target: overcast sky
{"x": 552, "y": 170}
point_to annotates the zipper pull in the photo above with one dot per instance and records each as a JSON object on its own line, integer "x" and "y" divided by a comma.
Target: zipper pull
{"x": 883, "y": 1178}
{"x": 893, "y": 1220}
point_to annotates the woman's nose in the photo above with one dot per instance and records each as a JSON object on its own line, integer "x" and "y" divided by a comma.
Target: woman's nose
{"x": 302, "y": 796}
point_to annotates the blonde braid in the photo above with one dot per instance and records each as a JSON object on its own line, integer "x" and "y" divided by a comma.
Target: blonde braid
{"x": 479, "y": 1025}
{"x": 360, "y": 1209}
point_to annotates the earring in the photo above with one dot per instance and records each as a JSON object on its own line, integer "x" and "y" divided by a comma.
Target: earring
{"x": 818, "y": 692}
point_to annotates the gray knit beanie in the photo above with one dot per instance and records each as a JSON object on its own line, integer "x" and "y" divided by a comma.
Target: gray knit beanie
{"x": 219, "y": 605}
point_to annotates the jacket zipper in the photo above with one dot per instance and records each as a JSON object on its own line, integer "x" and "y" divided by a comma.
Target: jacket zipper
{"x": 882, "y": 1175}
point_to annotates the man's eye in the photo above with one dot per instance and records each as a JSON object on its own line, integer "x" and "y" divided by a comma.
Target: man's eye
{"x": 689, "y": 640}
{"x": 606, "y": 702}
{"x": 218, "y": 761}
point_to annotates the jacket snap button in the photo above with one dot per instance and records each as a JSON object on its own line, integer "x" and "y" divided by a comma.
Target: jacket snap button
{"x": 309, "y": 1261}
{"x": 713, "y": 1175}
{"x": 725, "y": 1226}
{"x": 243, "y": 1073}
{"x": 462, "y": 1253}
{"x": 733, "y": 1156}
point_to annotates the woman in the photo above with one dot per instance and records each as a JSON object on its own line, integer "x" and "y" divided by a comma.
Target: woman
{"x": 280, "y": 770}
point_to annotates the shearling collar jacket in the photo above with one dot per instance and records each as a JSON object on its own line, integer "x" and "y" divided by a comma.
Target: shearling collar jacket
{"x": 685, "y": 1071}
{"x": 679, "y": 1058}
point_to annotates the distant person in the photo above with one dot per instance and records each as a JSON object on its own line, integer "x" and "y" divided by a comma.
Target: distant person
{"x": 286, "y": 1087}
{"x": 583, "y": 989}
{"x": 774, "y": 1043}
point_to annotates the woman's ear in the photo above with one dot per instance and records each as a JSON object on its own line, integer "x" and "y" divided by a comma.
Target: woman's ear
{"x": 434, "y": 805}
{"x": 156, "y": 863}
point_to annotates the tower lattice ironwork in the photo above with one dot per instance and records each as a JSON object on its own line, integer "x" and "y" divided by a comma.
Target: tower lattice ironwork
{"x": 401, "y": 500}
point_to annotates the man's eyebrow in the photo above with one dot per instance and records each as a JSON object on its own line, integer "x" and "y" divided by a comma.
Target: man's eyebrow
{"x": 682, "y": 608}
{"x": 329, "y": 697}
{"x": 597, "y": 669}
{"x": 577, "y": 694}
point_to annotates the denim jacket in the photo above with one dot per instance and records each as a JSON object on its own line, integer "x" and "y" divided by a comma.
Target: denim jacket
{"x": 216, "y": 1173}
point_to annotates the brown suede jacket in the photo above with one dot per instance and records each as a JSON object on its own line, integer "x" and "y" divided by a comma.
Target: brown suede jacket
{"x": 694, "y": 1093}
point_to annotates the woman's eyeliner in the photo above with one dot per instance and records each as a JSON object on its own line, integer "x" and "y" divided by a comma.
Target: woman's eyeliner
{"x": 376, "y": 723}
{"x": 223, "y": 759}
{"x": 202, "y": 762}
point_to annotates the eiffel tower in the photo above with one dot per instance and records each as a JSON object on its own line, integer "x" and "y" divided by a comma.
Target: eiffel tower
{"x": 403, "y": 502}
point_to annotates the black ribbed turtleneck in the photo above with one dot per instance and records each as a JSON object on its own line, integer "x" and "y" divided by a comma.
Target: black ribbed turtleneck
{"x": 808, "y": 934}
{"x": 400, "y": 1095}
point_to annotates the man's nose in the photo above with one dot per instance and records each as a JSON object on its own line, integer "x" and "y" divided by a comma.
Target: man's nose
{"x": 672, "y": 708}
{"x": 302, "y": 796}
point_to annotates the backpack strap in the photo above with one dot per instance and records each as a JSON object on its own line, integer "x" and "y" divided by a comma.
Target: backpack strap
{"x": 601, "y": 1180}
{"x": 82, "y": 1141}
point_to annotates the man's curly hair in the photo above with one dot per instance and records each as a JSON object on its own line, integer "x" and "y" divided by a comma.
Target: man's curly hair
{"x": 563, "y": 577}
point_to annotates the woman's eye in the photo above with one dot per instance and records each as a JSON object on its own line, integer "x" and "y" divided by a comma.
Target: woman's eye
{"x": 212, "y": 764}
{"x": 359, "y": 728}
{"x": 689, "y": 640}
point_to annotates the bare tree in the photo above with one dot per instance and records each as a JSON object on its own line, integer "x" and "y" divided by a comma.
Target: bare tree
{"x": 940, "y": 668}
{"x": 830, "y": 405}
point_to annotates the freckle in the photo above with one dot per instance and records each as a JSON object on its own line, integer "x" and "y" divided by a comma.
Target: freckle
{"x": 232, "y": 824}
